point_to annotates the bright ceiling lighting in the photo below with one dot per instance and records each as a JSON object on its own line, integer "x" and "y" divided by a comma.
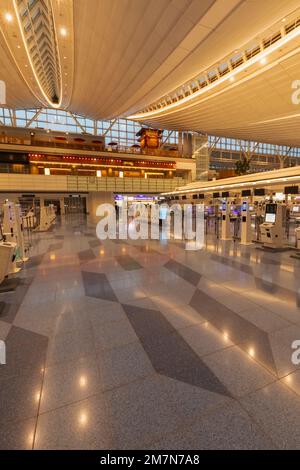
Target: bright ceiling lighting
{"x": 263, "y": 60}
{"x": 8, "y": 17}
{"x": 63, "y": 31}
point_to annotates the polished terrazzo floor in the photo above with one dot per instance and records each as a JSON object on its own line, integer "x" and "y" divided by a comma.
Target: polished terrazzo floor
{"x": 129, "y": 345}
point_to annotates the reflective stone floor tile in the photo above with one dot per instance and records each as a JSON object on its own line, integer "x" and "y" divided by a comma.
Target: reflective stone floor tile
{"x": 71, "y": 346}
{"x": 86, "y": 255}
{"x": 19, "y": 397}
{"x": 228, "y": 428}
{"x": 238, "y": 371}
{"x": 106, "y": 312}
{"x": 72, "y": 321}
{"x": 264, "y": 319}
{"x": 18, "y": 435}
{"x": 285, "y": 311}
{"x": 240, "y": 330}
{"x": 111, "y": 335}
{"x": 276, "y": 409}
{"x": 235, "y": 302}
{"x": 70, "y": 382}
{"x": 25, "y": 353}
{"x": 95, "y": 243}
{"x": 281, "y": 343}
{"x": 127, "y": 292}
{"x": 71, "y": 292}
{"x": 97, "y": 285}
{"x": 122, "y": 365}
{"x": 128, "y": 263}
{"x": 169, "y": 354}
{"x": 204, "y": 339}
{"x": 292, "y": 381}
{"x": 184, "y": 272}
{"x": 180, "y": 316}
{"x": 4, "y": 329}
{"x": 82, "y": 425}
{"x": 35, "y": 322}
{"x": 55, "y": 247}
{"x": 143, "y": 408}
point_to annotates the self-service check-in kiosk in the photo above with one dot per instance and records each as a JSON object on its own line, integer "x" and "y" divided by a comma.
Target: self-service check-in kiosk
{"x": 7, "y": 254}
{"x": 297, "y": 234}
{"x": 13, "y": 227}
{"x": 246, "y": 230}
{"x": 225, "y": 224}
{"x": 272, "y": 228}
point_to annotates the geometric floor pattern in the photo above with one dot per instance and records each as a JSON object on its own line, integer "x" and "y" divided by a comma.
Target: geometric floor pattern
{"x": 140, "y": 344}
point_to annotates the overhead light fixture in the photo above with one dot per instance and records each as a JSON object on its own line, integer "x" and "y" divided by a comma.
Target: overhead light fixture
{"x": 18, "y": 46}
{"x": 47, "y": 171}
{"x": 263, "y": 60}
{"x": 8, "y": 16}
{"x": 63, "y": 31}
{"x": 99, "y": 173}
{"x": 121, "y": 174}
{"x": 232, "y": 78}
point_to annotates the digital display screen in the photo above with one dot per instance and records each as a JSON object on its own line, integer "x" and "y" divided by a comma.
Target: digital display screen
{"x": 296, "y": 209}
{"x": 245, "y": 206}
{"x": 259, "y": 192}
{"x": 291, "y": 190}
{"x": 271, "y": 218}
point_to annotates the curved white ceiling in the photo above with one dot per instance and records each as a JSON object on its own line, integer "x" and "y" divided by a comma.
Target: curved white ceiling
{"x": 118, "y": 57}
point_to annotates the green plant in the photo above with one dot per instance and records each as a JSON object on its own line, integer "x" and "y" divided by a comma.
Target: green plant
{"x": 242, "y": 166}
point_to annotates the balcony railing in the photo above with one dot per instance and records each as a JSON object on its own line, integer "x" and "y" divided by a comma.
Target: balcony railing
{"x": 12, "y": 140}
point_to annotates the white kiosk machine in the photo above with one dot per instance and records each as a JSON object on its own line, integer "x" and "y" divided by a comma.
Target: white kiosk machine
{"x": 272, "y": 228}
{"x": 6, "y": 258}
{"x": 225, "y": 228}
{"x": 297, "y": 234}
{"x": 246, "y": 231}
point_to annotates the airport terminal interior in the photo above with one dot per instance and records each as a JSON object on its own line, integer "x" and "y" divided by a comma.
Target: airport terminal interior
{"x": 171, "y": 114}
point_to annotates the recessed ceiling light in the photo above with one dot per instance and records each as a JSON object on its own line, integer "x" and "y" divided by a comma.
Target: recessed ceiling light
{"x": 66, "y": 73}
{"x": 232, "y": 79}
{"x": 263, "y": 61}
{"x": 63, "y": 31}
{"x": 18, "y": 46}
{"x": 284, "y": 20}
{"x": 65, "y": 57}
{"x": 26, "y": 65}
{"x": 8, "y": 17}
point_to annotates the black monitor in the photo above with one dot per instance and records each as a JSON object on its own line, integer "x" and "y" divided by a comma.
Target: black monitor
{"x": 291, "y": 190}
{"x": 201, "y": 196}
{"x": 225, "y": 194}
{"x": 259, "y": 192}
{"x": 216, "y": 195}
{"x": 183, "y": 197}
{"x": 271, "y": 210}
{"x": 246, "y": 192}
{"x": 195, "y": 196}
